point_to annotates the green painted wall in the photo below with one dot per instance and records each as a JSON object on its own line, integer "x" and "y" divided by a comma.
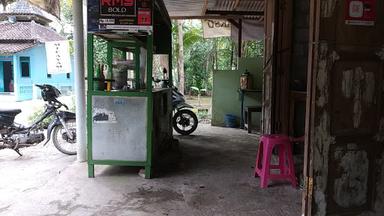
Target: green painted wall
{"x": 226, "y": 98}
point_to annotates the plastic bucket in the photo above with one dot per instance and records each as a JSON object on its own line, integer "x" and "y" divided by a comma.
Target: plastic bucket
{"x": 230, "y": 121}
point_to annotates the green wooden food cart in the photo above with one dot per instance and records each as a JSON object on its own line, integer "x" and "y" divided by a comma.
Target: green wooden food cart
{"x": 128, "y": 121}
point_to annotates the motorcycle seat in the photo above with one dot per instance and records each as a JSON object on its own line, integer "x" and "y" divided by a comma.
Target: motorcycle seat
{"x": 10, "y": 111}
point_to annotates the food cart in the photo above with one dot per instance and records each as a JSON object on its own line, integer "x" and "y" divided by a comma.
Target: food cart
{"x": 128, "y": 121}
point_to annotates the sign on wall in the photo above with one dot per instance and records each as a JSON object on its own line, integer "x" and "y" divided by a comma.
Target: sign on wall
{"x": 216, "y": 28}
{"x": 361, "y": 12}
{"x": 120, "y": 15}
{"x": 58, "y": 59}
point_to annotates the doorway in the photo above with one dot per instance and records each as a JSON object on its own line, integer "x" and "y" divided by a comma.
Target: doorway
{"x": 8, "y": 76}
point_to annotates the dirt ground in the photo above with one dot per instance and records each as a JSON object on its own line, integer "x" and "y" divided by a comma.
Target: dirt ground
{"x": 215, "y": 177}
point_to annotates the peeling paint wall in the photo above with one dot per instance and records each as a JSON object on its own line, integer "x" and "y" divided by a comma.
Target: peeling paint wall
{"x": 380, "y": 135}
{"x": 369, "y": 88}
{"x": 323, "y": 139}
{"x": 351, "y": 187}
{"x": 357, "y": 108}
{"x": 346, "y": 125}
{"x": 267, "y": 107}
{"x": 380, "y": 53}
{"x": 359, "y": 86}
{"x": 379, "y": 204}
{"x": 350, "y": 183}
{"x": 326, "y": 62}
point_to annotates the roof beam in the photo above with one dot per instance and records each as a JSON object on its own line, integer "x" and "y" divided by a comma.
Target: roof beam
{"x": 164, "y": 13}
{"x": 212, "y": 17}
{"x": 205, "y": 7}
{"x": 237, "y": 3}
{"x": 240, "y": 13}
{"x": 233, "y": 22}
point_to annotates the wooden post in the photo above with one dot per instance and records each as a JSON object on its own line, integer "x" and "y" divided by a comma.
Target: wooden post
{"x": 240, "y": 39}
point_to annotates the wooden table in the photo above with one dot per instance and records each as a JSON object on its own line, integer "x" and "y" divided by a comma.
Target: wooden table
{"x": 243, "y": 92}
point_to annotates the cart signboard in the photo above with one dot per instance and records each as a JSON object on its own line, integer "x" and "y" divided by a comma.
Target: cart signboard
{"x": 120, "y": 16}
{"x": 361, "y": 12}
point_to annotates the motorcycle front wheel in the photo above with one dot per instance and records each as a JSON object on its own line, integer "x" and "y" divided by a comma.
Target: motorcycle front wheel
{"x": 185, "y": 122}
{"x": 62, "y": 141}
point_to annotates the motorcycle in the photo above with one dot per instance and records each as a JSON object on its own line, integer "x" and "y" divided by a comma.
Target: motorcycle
{"x": 62, "y": 128}
{"x": 184, "y": 120}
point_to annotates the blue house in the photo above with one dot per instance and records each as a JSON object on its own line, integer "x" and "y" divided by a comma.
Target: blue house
{"x": 23, "y": 59}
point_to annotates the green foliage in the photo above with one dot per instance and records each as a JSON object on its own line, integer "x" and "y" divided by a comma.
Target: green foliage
{"x": 6, "y": 2}
{"x": 71, "y": 47}
{"x": 66, "y": 11}
{"x": 202, "y": 56}
{"x": 100, "y": 51}
{"x": 225, "y": 54}
{"x": 202, "y": 114}
{"x": 66, "y": 16}
{"x": 199, "y": 65}
{"x": 195, "y": 88}
{"x": 36, "y": 115}
{"x": 72, "y": 105}
{"x": 253, "y": 49}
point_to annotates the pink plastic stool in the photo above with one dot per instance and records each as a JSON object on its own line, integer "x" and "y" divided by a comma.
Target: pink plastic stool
{"x": 263, "y": 161}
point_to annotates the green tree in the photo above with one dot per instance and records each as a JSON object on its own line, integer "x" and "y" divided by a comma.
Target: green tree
{"x": 6, "y": 2}
{"x": 66, "y": 11}
{"x": 180, "y": 56}
{"x": 192, "y": 35}
{"x": 203, "y": 56}
{"x": 100, "y": 51}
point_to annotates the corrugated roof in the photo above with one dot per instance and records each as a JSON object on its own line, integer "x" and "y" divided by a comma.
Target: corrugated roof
{"x": 186, "y": 8}
{"x": 243, "y": 6}
{"x": 239, "y": 5}
{"x": 189, "y": 9}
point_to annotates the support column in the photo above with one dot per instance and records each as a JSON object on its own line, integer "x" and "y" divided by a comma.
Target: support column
{"x": 78, "y": 37}
{"x": 240, "y": 39}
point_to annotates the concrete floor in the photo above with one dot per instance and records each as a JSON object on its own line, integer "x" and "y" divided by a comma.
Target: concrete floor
{"x": 214, "y": 178}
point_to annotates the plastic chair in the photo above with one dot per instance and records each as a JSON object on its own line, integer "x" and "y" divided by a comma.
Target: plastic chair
{"x": 286, "y": 164}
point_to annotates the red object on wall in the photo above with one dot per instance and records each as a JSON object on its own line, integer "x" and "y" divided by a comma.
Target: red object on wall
{"x": 361, "y": 12}
{"x": 144, "y": 17}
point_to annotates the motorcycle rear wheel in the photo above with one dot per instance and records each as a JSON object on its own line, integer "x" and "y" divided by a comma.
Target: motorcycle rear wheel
{"x": 62, "y": 141}
{"x": 185, "y": 122}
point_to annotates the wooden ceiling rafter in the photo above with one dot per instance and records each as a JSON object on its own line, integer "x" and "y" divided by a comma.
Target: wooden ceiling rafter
{"x": 205, "y": 7}
{"x": 216, "y": 9}
{"x": 237, "y": 3}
